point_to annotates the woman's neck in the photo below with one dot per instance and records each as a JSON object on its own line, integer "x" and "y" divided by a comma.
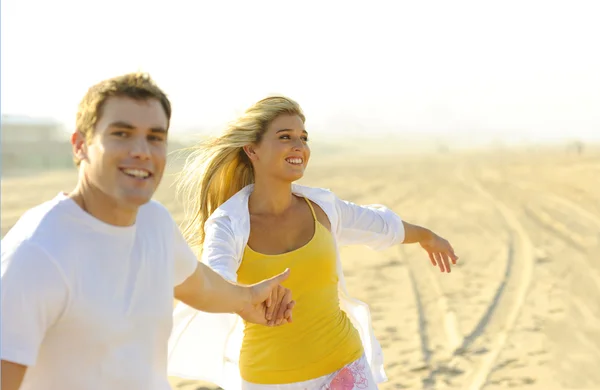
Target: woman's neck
{"x": 273, "y": 198}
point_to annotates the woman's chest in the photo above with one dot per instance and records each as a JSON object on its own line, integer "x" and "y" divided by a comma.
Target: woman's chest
{"x": 313, "y": 265}
{"x": 273, "y": 236}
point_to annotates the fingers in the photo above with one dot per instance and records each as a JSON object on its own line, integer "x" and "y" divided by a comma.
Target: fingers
{"x": 288, "y": 313}
{"x": 441, "y": 254}
{"x": 262, "y": 291}
{"x": 442, "y": 260}
{"x": 276, "y": 294}
{"x": 269, "y": 301}
{"x": 431, "y": 258}
{"x": 446, "y": 262}
{"x": 287, "y": 298}
{"x": 271, "y": 308}
{"x": 288, "y": 319}
{"x": 274, "y": 320}
{"x": 439, "y": 261}
{"x": 284, "y": 316}
{"x": 453, "y": 256}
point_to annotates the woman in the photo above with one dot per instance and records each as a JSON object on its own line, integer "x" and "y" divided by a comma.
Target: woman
{"x": 251, "y": 220}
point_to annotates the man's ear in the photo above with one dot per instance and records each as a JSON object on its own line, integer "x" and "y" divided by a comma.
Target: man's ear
{"x": 250, "y": 151}
{"x": 79, "y": 145}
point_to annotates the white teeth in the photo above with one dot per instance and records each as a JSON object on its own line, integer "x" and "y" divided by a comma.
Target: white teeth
{"x": 137, "y": 173}
{"x": 294, "y": 160}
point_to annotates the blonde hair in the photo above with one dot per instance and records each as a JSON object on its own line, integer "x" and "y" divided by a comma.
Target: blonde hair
{"x": 218, "y": 168}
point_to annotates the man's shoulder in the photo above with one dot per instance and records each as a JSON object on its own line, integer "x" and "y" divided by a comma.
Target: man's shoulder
{"x": 37, "y": 223}
{"x": 154, "y": 209}
{"x": 155, "y": 216}
{"x": 37, "y": 235}
{"x": 25, "y": 253}
{"x": 23, "y": 245}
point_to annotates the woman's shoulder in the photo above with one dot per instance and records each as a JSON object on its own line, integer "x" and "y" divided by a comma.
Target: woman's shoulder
{"x": 236, "y": 206}
{"x": 322, "y": 197}
{"x": 313, "y": 193}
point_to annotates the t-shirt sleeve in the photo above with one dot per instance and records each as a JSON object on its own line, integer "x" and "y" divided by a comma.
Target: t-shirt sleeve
{"x": 185, "y": 258}
{"x": 34, "y": 296}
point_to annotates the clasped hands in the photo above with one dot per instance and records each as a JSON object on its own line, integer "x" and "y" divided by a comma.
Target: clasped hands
{"x": 269, "y": 302}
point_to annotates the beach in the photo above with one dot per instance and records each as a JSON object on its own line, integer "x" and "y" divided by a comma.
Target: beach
{"x": 521, "y": 309}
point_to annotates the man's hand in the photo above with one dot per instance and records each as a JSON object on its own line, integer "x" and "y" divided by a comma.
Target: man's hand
{"x": 270, "y": 303}
{"x": 440, "y": 251}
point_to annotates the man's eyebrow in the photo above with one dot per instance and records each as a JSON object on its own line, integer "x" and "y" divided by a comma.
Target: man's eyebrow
{"x": 129, "y": 126}
{"x": 122, "y": 125}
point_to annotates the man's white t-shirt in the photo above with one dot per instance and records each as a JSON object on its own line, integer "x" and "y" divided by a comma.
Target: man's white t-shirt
{"x": 88, "y": 305}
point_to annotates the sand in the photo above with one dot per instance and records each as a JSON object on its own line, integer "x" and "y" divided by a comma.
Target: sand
{"x": 521, "y": 309}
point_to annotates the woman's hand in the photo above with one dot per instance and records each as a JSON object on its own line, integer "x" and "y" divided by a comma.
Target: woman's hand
{"x": 279, "y": 307}
{"x": 439, "y": 250}
{"x": 269, "y": 302}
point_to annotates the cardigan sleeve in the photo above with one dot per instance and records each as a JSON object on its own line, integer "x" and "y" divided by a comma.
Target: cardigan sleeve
{"x": 219, "y": 249}
{"x": 375, "y": 226}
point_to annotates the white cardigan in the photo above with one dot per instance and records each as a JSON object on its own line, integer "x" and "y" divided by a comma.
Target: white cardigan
{"x": 206, "y": 346}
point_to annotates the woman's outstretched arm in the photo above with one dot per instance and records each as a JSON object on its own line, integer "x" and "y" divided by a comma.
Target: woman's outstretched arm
{"x": 439, "y": 249}
{"x": 378, "y": 227}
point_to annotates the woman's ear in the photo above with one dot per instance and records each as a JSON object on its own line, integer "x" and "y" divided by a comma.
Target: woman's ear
{"x": 250, "y": 152}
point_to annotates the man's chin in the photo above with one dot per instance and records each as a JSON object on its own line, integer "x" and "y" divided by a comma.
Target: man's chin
{"x": 135, "y": 200}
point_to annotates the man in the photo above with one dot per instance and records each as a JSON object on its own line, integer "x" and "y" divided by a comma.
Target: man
{"x": 89, "y": 277}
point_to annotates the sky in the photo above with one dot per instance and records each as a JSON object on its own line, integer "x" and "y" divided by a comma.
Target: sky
{"x": 528, "y": 70}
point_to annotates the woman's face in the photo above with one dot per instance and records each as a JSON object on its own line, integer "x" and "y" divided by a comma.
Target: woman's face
{"x": 283, "y": 152}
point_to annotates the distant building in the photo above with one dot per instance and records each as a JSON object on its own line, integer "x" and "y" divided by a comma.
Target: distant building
{"x": 33, "y": 143}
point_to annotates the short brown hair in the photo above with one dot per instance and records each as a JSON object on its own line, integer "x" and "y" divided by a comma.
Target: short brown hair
{"x": 138, "y": 86}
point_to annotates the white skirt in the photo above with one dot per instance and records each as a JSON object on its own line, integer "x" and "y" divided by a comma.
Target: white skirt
{"x": 356, "y": 375}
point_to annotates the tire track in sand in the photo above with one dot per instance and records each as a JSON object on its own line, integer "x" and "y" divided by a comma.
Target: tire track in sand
{"x": 438, "y": 325}
{"x": 566, "y": 203}
{"x": 522, "y": 255}
{"x": 583, "y": 243}
{"x": 433, "y": 309}
{"x": 438, "y": 322}
{"x": 441, "y": 321}
{"x": 589, "y": 274}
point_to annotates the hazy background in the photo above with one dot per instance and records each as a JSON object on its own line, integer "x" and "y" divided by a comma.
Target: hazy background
{"x": 459, "y": 73}
{"x": 479, "y": 120}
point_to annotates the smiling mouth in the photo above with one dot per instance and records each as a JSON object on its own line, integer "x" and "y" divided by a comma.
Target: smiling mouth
{"x": 140, "y": 174}
{"x": 295, "y": 160}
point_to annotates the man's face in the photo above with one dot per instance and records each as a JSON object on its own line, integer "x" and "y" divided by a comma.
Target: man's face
{"x": 126, "y": 157}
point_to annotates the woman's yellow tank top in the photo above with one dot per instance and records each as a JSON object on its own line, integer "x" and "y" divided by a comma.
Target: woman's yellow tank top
{"x": 321, "y": 339}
